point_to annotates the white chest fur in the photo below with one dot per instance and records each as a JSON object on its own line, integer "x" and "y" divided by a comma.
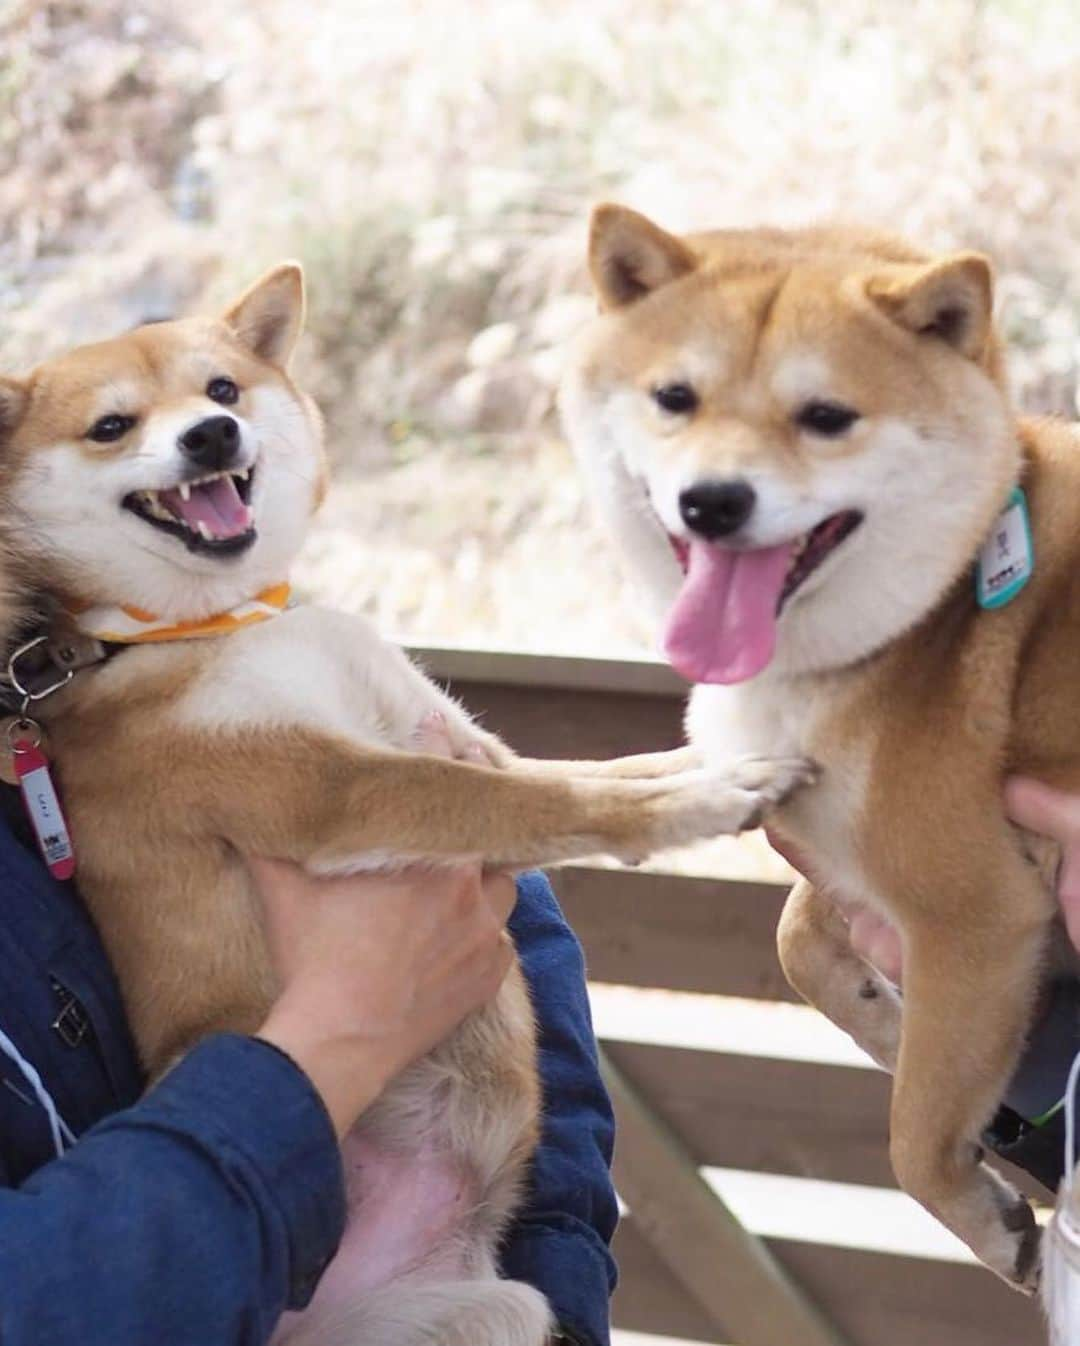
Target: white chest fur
{"x": 315, "y": 669}
{"x": 770, "y": 715}
{"x": 774, "y": 715}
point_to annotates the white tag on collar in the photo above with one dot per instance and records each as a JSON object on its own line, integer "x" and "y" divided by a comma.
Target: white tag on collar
{"x": 1007, "y": 559}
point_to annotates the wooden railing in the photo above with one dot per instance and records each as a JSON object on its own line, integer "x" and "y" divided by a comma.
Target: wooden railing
{"x": 688, "y": 1268}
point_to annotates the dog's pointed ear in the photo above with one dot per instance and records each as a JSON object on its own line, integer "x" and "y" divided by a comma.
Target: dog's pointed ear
{"x": 951, "y": 299}
{"x": 629, "y": 256}
{"x": 14, "y": 395}
{"x": 269, "y": 317}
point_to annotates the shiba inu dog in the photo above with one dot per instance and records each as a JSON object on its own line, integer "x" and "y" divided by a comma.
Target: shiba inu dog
{"x": 803, "y": 444}
{"x": 157, "y": 487}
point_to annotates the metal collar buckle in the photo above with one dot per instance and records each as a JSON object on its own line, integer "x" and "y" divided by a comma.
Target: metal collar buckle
{"x": 47, "y": 663}
{"x": 37, "y": 684}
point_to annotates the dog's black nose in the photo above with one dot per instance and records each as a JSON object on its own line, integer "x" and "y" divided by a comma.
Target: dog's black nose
{"x": 212, "y": 443}
{"x": 716, "y": 508}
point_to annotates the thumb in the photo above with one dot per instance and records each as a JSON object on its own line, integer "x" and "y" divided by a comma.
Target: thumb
{"x": 1055, "y": 814}
{"x": 1068, "y": 891}
{"x": 1040, "y": 808}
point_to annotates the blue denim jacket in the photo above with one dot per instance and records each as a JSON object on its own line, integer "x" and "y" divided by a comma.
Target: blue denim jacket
{"x": 192, "y": 1216}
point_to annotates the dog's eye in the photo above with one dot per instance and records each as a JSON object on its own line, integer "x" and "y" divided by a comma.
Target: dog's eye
{"x": 222, "y": 390}
{"x": 826, "y": 418}
{"x": 106, "y": 429}
{"x": 678, "y": 398}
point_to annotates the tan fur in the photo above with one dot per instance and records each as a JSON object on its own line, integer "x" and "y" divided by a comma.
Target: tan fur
{"x": 917, "y": 728}
{"x": 153, "y": 812}
{"x": 291, "y": 739}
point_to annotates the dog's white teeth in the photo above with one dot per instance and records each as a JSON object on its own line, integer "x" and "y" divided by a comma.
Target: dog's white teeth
{"x": 185, "y": 490}
{"x": 152, "y": 503}
{"x": 204, "y": 532}
{"x": 243, "y": 476}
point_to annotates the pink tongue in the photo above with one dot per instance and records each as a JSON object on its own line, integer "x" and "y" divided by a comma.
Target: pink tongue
{"x": 723, "y": 625}
{"x": 216, "y": 504}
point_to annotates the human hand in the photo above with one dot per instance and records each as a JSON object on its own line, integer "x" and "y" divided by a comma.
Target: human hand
{"x": 1054, "y": 814}
{"x": 377, "y": 969}
{"x": 1029, "y": 803}
{"x": 871, "y": 935}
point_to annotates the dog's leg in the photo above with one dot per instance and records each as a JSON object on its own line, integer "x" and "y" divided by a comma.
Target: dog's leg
{"x": 333, "y": 804}
{"x": 820, "y": 964}
{"x": 970, "y": 974}
{"x": 642, "y": 766}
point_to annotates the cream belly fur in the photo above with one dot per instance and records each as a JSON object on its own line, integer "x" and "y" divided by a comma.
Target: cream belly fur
{"x": 175, "y": 470}
{"x": 805, "y": 512}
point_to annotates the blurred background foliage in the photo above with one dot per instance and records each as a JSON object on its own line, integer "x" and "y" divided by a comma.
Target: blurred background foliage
{"x": 432, "y": 163}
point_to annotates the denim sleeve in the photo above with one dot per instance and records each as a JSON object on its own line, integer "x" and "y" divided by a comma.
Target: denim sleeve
{"x": 560, "y": 1242}
{"x": 193, "y": 1218}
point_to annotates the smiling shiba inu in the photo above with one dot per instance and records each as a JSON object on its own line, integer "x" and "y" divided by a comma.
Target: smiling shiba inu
{"x": 802, "y": 443}
{"x": 157, "y": 488}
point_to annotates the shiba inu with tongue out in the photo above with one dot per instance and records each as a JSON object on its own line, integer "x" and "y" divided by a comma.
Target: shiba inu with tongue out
{"x": 803, "y": 446}
{"x": 156, "y": 488}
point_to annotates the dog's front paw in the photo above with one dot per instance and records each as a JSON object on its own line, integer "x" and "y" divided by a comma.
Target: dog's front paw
{"x": 759, "y": 784}
{"x": 722, "y": 802}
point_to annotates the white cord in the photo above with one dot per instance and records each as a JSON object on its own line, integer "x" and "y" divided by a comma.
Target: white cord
{"x": 62, "y": 1134}
{"x": 1070, "y": 1121}
{"x": 1061, "y": 1244}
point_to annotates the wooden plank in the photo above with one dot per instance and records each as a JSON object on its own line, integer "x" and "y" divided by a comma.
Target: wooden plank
{"x": 562, "y": 706}
{"x": 726, "y": 1270}
{"x": 798, "y": 1118}
{"x": 677, "y": 932}
{"x": 801, "y": 1119}
{"x": 556, "y": 722}
{"x": 650, "y": 1298}
{"x": 515, "y": 668}
{"x": 877, "y": 1299}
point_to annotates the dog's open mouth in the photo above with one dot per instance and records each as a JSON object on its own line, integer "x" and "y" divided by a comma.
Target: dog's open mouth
{"x": 815, "y": 547}
{"x": 723, "y": 625}
{"x": 210, "y": 514}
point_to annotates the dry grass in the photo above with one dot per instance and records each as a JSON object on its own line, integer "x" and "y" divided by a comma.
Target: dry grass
{"x": 432, "y": 163}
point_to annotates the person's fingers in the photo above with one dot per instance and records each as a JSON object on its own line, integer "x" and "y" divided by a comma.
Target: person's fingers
{"x": 503, "y": 960}
{"x": 270, "y": 872}
{"x": 782, "y": 847}
{"x": 477, "y": 979}
{"x": 1055, "y": 814}
{"x": 282, "y": 887}
{"x": 1040, "y": 808}
{"x": 876, "y": 941}
{"x": 491, "y": 966}
{"x": 283, "y": 882}
{"x": 1068, "y": 892}
{"x": 500, "y": 891}
{"x": 792, "y": 854}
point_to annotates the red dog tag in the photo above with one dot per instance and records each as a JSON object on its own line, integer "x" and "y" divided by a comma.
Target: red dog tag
{"x": 43, "y": 808}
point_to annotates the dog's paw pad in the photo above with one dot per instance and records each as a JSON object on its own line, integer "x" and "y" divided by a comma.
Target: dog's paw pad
{"x": 1028, "y": 1271}
{"x": 1018, "y": 1220}
{"x": 773, "y": 779}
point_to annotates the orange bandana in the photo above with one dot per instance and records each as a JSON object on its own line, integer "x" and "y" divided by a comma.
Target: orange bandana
{"x": 133, "y": 626}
